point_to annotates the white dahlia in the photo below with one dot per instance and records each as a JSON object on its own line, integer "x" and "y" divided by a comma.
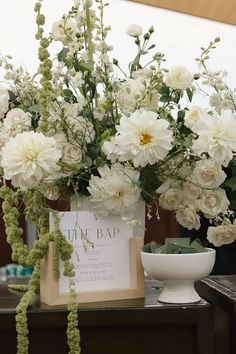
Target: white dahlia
{"x": 142, "y": 138}
{"x": 216, "y": 136}
{"x": 116, "y": 191}
{"x": 29, "y": 158}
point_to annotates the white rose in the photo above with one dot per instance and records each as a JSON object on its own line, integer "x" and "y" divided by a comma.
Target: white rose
{"x": 171, "y": 199}
{"x": 71, "y": 154}
{"x": 193, "y": 116}
{"x": 126, "y": 101}
{"x": 188, "y": 217}
{"x": 4, "y": 101}
{"x": 221, "y": 235}
{"x": 134, "y": 30}
{"x": 191, "y": 191}
{"x": 179, "y": 78}
{"x": 49, "y": 190}
{"x": 208, "y": 174}
{"x": 213, "y": 203}
{"x": 17, "y": 121}
{"x": 128, "y": 94}
{"x": 134, "y": 95}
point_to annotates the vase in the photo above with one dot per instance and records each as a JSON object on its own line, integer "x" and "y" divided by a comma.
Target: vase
{"x": 179, "y": 272}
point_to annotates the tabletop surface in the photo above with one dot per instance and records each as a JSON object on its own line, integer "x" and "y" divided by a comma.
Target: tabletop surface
{"x": 221, "y": 287}
{"x": 10, "y": 298}
{"x": 228, "y": 281}
{"x": 137, "y": 325}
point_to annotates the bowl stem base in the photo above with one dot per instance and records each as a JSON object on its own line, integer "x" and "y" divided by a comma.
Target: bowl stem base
{"x": 179, "y": 292}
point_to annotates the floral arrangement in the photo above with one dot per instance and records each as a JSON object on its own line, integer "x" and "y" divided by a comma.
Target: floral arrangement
{"x": 84, "y": 126}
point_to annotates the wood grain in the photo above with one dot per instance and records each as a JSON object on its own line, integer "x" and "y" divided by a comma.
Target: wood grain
{"x": 218, "y": 10}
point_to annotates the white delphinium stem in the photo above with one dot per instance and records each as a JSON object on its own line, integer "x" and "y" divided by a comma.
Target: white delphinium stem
{"x": 87, "y": 6}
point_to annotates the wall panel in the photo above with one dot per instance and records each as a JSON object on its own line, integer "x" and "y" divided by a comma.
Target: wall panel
{"x": 219, "y": 10}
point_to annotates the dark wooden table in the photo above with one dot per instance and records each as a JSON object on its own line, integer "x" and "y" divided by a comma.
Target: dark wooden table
{"x": 136, "y": 326}
{"x": 220, "y": 291}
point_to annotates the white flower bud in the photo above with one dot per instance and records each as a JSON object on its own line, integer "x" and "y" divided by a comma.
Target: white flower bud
{"x": 134, "y": 30}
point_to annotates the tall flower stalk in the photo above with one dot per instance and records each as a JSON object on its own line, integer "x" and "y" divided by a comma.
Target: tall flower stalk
{"x": 90, "y": 45}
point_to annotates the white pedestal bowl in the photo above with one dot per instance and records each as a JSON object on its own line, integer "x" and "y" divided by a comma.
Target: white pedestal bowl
{"x": 179, "y": 272}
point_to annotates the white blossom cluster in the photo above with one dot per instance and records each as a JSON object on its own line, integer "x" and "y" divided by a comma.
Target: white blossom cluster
{"x": 120, "y": 137}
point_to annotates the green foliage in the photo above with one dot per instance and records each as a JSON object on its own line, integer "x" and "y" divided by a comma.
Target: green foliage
{"x": 178, "y": 245}
{"x": 190, "y": 94}
{"x": 231, "y": 183}
{"x": 165, "y": 93}
{"x": 62, "y": 55}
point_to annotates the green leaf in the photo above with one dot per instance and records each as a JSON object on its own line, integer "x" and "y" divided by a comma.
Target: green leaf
{"x": 190, "y": 94}
{"x": 180, "y": 115}
{"x": 135, "y": 63}
{"x": 233, "y": 170}
{"x": 62, "y": 54}
{"x": 164, "y": 99}
{"x": 187, "y": 143}
{"x": 231, "y": 183}
{"x": 93, "y": 151}
{"x": 34, "y": 108}
{"x": 143, "y": 52}
{"x": 164, "y": 90}
{"x": 151, "y": 47}
{"x": 68, "y": 95}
